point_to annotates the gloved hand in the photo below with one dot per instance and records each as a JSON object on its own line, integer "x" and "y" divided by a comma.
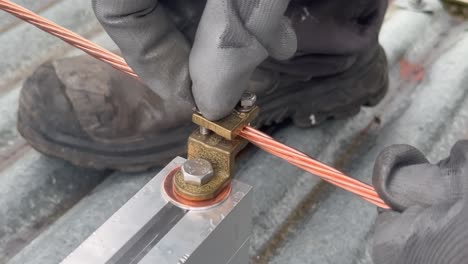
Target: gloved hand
{"x": 429, "y": 220}
{"x": 232, "y": 39}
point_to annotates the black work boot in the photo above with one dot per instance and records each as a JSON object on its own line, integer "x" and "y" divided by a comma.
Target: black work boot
{"x": 88, "y": 113}
{"x": 338, "y": 67}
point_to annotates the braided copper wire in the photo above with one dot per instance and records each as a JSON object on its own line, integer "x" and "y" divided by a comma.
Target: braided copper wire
{"x": 256, "y": 137}
{"x": 67, "y": 36}
{"x": 315, "y": 167}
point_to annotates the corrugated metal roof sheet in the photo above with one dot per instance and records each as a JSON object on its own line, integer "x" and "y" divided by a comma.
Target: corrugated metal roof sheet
{"x": 47, "y": 207}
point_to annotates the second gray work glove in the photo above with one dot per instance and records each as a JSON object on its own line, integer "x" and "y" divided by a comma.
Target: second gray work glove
{"x": 429, "y": 220}
{"x": 233, "y": 38}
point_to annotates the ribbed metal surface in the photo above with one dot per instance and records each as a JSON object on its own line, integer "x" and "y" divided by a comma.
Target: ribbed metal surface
{"x": 48, "y": 207}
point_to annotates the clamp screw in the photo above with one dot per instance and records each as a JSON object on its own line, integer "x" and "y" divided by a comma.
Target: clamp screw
{"x": 247, "y": 102}
{"x": 197, "y": 171}
{"x": 204, "y": 131}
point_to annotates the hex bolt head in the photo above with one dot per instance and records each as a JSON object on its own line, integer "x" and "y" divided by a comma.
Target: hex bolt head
{"x": 197, "y": 171}
{"x": 247, "y": 101}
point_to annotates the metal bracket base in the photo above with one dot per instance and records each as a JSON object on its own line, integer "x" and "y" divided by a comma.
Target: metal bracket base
{"x": 149, "y": 229}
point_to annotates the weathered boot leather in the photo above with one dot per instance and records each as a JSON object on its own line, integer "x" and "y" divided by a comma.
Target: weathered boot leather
{"x": 84, "y": 111}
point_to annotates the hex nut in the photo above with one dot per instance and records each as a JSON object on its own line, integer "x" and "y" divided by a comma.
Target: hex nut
{"x": 248, "y": 101}
{"x": 197, "y": 171}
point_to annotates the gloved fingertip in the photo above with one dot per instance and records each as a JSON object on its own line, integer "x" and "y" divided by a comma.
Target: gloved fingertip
{"x": 214, "y": 114}
{"x": 215, "y": 103}
{"x": 460, "y": 149}
{"x": 390, "y": 159}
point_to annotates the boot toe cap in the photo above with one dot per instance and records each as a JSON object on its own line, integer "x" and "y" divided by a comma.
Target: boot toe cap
{"x": 43, "y": 102}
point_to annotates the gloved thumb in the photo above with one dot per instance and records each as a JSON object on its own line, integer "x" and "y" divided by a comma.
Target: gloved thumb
{"x": 233, "y": 39}
{"x": 403, "y": 177}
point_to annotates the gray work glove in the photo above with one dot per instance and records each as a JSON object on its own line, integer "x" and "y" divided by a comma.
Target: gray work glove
{"x": 429, "y": 220}
{"x": 233, "y": 38}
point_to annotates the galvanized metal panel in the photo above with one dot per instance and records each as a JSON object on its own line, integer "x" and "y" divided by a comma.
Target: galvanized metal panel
{"x": 33, "y": 193}
{"x": 337, "y": 230}
{"x": 78, "y": 223}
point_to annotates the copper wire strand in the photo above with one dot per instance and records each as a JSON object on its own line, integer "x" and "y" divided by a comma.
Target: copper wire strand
{"x": 292, "y": 150}
{"x": 304, "y": 162}
{"x": 67, "y": 36}
{"x": 260, "y": 139}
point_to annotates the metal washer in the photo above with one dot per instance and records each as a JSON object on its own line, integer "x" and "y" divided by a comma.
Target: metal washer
{"x": 167, "y": 191}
